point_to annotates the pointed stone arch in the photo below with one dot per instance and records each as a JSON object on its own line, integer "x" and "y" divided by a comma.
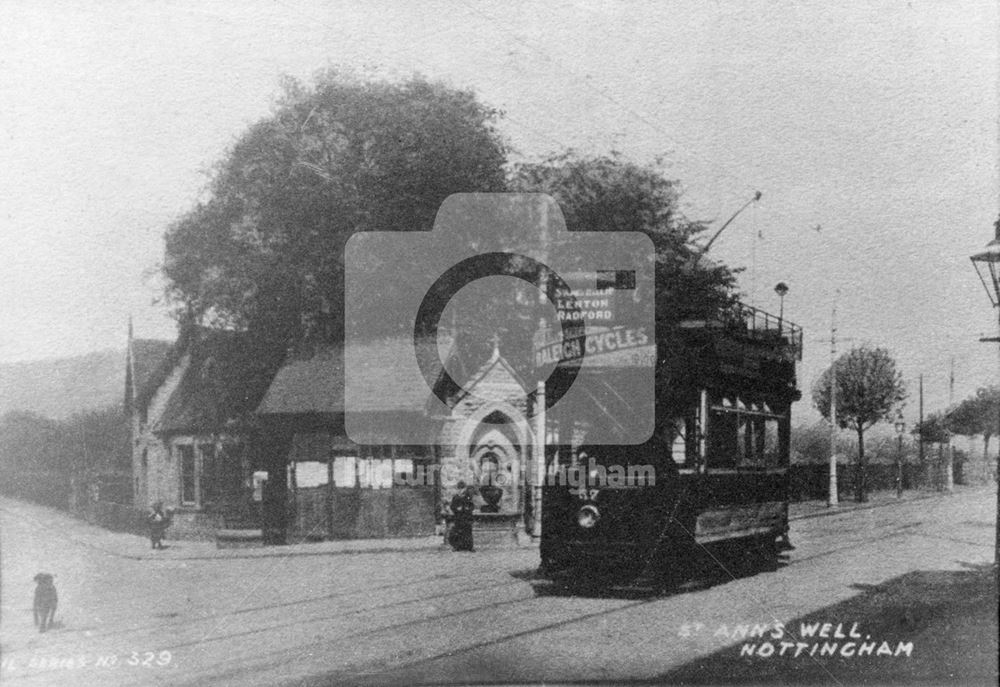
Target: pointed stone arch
{"x": 501, "y": 430}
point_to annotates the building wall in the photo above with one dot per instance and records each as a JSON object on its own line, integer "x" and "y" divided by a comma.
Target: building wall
{"x": 342, "y": 492}
{"x": 156, "y": 465}
{"x": 151, "y": 476}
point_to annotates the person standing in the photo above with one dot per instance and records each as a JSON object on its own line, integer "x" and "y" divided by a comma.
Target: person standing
{"x": 462, "y": 507}
{"x": 157, "y": 521}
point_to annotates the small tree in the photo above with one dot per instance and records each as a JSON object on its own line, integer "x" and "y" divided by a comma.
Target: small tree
{"x": 978, "y": 414}
{"x": 869, "y": 389}
{"x": 933, "y": 430}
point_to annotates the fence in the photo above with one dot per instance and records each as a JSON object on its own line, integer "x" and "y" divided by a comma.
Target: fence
{"x": 46, "y": 487}
{"x": 117, "y": 517}
{"x": 809, "y": 481}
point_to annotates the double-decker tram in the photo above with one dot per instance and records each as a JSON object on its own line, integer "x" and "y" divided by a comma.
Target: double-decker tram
{"x": 711, "y": 484}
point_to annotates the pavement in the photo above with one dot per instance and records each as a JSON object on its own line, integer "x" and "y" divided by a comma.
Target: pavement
{"x": 134, "y": 547}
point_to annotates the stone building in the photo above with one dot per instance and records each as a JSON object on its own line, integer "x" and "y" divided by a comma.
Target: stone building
{"x": 233, "y": 438}
{"x": 191, "y": 406}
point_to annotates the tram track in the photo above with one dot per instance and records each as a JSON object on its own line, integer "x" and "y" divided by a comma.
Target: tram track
{"x": 277, "y": 658}
{"x": 246, "y": 652}
{"x": 889, "y": 531}
{"x": 187, "y": 621}
{"x": 498, "y": 599}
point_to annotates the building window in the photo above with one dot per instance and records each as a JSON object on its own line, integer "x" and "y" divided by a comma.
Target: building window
{"x": 375, "y": 473}
{"x": 208, "y": 486}
{"x": 403, "y": 470}
{"x": 310, "y": 473}
{"x": 189, "y": 475}
{"x": 345, "y": 471}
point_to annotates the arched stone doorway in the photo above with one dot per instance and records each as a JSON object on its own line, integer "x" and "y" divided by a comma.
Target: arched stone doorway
{"x": 497, "y": 459}
{"x": 487, "y": 442}
{"x": 492, "y": 450}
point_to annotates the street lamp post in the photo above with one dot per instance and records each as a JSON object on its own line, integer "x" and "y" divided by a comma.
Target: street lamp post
{"x": 987, "y": 264}
{"x": 900, "y": 426}
{"x": 781, "y": 288}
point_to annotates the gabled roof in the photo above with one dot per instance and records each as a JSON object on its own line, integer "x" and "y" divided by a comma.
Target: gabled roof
{"x": 147, "y": 365}
{"x": 226, "y": 376}
{"x": 314, "y": 382}
{"x": 496, "y": 363}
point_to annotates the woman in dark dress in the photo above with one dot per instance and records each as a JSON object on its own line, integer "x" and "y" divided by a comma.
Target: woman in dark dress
{"x": 460, "y": 535}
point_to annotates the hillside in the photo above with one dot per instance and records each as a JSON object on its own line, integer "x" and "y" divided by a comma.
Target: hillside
{"x": 59, "y": 387}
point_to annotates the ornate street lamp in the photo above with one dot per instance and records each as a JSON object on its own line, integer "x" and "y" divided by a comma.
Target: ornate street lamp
{"x": 781, "y": 288}
{"x": 900, "y": 426}
{"x": 987, "y": 264}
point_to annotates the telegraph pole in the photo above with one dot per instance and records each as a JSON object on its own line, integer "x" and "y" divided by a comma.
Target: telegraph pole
{"x": 833, "y": 406}
{"x": 949, "y": 466}
{"x": 920, "y": 434}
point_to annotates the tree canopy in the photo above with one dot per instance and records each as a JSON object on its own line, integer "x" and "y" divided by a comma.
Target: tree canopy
{"x": 345, "y": 155}
{"x": 611, "y": 193}
{"x": 978, "y": 414}
{"x": 41, "y": 457}
{"x": 264, "y": 251}
{"x": 869, "y": 389}
{"x": 934, "y": 429}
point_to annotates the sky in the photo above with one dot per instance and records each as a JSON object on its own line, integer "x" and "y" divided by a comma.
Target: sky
{"x": 870, "y": 129}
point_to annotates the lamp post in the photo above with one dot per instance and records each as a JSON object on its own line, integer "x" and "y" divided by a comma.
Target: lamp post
{"x": 987, "y": 264}
{"x": 900, "y": 426}
{"x": 781, "y": 288}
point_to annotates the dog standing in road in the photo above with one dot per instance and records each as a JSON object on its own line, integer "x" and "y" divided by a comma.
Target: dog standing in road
{"x": 46, "y": 600}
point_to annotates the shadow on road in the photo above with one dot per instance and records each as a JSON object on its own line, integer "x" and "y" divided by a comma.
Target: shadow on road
{"x": 712, "y": 569}
{"x": 928, "y": 627}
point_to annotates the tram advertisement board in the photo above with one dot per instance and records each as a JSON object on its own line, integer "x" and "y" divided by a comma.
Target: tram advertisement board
{"x": 611, "y": 347}
{"x": 607, "y": 304}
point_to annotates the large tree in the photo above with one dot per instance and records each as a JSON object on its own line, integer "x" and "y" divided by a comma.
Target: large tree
{"x": 610, "y": 193}
{"x": 869, "y": 389}
{"x": 264, "y": 250}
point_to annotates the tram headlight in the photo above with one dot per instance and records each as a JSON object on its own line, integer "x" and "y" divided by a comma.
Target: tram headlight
{"x": 588, "y": 516}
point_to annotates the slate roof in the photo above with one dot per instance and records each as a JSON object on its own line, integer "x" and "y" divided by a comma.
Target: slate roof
{"x": 307, "y": 383}
{"x": 225, "y": 379}
{"x": 147, "y": 365}
{"x": 314, "y": 383}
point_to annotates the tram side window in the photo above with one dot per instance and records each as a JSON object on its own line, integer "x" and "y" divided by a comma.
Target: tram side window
{"x": 723, "y": 447}
{"x": 684, "y": 441}
{"x": 772, "y": 446}
{"x": 757, "y": 441}
{"x": 743, "y": 433}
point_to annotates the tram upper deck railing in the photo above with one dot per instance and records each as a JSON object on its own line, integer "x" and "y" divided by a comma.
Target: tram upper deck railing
{"x": 744, "y": 321}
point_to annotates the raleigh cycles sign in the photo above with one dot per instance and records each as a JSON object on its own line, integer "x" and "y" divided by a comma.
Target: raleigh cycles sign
{"x": 614, "y": 347}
